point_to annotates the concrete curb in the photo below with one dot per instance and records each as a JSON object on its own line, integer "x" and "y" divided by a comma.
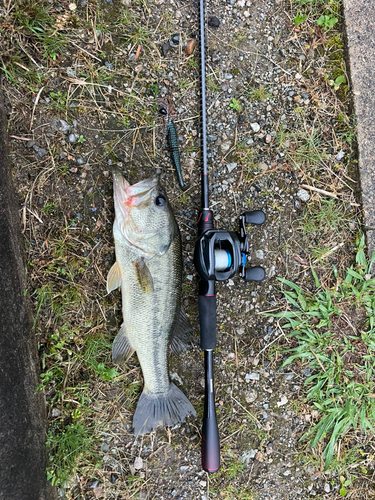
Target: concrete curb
{"x": 23, "y": 456}
{"x": 360, "y": 35}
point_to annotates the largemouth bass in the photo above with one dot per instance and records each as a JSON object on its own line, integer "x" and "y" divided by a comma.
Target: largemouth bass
{"x": 148, "y": 269}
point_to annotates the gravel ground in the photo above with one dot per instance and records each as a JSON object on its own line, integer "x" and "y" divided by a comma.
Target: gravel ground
{"x": 94, "y": 107}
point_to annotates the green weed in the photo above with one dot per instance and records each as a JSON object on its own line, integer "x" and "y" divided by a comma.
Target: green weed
{"x": 333, "y": 330}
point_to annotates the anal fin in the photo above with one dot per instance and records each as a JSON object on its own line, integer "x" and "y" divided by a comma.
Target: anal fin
{"x": 182, "y": 334}
{"x": 121, "y": 348}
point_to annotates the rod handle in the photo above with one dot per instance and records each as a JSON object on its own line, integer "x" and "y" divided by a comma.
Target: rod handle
{"x": 207, "y": 320}
{"x": 210, "y": 445}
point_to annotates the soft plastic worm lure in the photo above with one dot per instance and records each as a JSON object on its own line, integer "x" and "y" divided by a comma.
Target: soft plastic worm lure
{"x": 166, "y": 110}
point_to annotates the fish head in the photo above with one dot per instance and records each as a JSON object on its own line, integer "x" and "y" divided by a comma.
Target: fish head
{"x": 143, "y": 216}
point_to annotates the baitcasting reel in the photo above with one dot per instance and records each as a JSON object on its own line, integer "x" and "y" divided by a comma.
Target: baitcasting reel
{"x": 219, "y": 254}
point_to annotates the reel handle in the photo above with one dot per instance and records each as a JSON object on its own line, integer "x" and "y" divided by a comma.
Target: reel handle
{"x": 256, "y": 217}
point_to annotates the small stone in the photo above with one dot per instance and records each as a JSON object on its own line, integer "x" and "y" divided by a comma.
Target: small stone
{"x": 215, "y": 57}
{"x": 80, "y": 160}
{"x": 327, "y": 488}
{"x": 190, "y": 46}
{"x": 30, "y": 144}
{"x": 247, "y": 456}
{"x": 40, "y": 151}
{"x": 138, "y": 68}
{"x": 190, "y": 163}
{"x": 251, "y": 376}
{"x": 64, "y": 126}
{"x": 255, "y": 127}
{"x": 283, "y": 401}
{"x": 213, "y": 22}
{"x": 72, "y": 138}
{"x": 259, "y": 456}
{"x": 138, "y": 463}
{"x": 298, "y": 76}
{"x": 340, "y": 156}
{"x": 231, "y": 167}
{"x": 184, "y": 469}
{"x": 268, "y": 139}
{"x": 303, "y": 195}
{"x": 105, "y": 447}
{"x": 178, "y": 14}
{"x": 55, "y": 413}
{"x": 259, "y": 254}
{"x": 225, "y": 147}
{"x": 251, "y": 396}
{"x": 211, "y": 138}
{"x": 72, "y": 6}
{"x": 175, "y": 38}
{"x": 246, "y": 14}
{"x": 287, "y": 473}
{"x": 306, "y": 372}
{"x": 263, "y": 166}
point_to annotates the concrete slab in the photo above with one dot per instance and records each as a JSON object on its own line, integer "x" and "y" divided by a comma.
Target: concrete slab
{"x": 360, "y": 33}
{"x": 23, "y": 456}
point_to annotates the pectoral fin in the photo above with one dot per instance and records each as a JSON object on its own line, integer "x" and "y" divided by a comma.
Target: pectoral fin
{"x": 121, "y": 349}
{"x": 114, "y": 278}
{"x": 144, "y": 276}
{"x": 182, "y": 335}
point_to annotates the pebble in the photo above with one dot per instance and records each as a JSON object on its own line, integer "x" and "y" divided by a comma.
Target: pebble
{"x": 231, "y": 167}
{"x": 138, "y": 463}
{"x": 268, "y": 139}
{"x": 255, "y": 127}
{"x": 211, "y": 138}
{"x": 303, "y": 195}
{"x": 251, "y": 376}
{"x": 259, "y": 254}
{"x": 283, "y": 401}
{"x": 64, "y": 126}
{"x": 213, "y": 22}
{"x": 327, "y": 488}
{"x": 247, "y": 456}
{"x": 72, "y": 138}
{"x": 225, "y": 146}
{"x": 55, "y": 413}
{"x": 190, "y": 46}
{"x": 184, "y": 469}
{"x": 251, "y": 396}
{"x": 263, "y": 166}
{"x": 340, "y": 156}
{"x": 175, "y": 38}
{"x": 40, "y": 151}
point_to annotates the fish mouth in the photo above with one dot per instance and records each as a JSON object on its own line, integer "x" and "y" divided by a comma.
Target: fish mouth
{"x": 126, "y": 195}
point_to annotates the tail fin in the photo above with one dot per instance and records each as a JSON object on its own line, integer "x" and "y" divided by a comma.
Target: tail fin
{"x": 159, "y": 410}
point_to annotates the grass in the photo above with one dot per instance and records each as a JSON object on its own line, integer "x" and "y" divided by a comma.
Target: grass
{"x": 332, "y": 330}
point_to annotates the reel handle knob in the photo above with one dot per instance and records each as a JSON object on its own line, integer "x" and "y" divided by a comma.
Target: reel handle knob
{"x": 256, "y": 217}
{"x": 256, "y": 273}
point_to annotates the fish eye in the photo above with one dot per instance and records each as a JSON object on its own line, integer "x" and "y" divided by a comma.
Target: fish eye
{"x": 160, "y": 201}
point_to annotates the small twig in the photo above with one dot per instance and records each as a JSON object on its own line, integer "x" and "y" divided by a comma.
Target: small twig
{"x": 35, "y": 105}
{"x": 138, "y": 52}
{"x": 86, "y": 51}
{"x": 273, "y": 341}
{"x": 326, "y": 193}
{"x": 35, "y": 215}
{"x": 19, "y": 138}
{"x": 247, "y": 411}
{"x": 318, "y": 360}
{"x": 327, "y": 254}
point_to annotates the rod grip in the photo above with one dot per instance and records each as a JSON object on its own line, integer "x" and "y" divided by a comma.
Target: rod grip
{"x": 210, "y": 445}
{"x": 207, "y": 320}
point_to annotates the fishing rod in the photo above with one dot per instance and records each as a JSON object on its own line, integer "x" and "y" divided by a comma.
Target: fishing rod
{"x": 218, "y": 255}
